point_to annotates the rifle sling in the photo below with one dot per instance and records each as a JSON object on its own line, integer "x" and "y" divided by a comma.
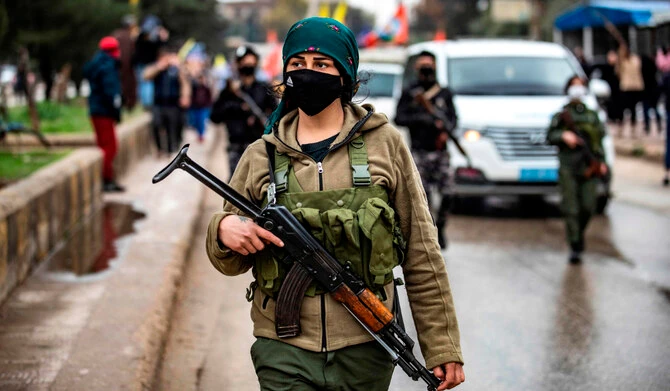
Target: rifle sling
{"x": 296, "y": 283}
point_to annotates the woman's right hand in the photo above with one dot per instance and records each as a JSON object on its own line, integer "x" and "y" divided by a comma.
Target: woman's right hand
{"x": 243, "y": 236}
{"x": 570, "y": 139}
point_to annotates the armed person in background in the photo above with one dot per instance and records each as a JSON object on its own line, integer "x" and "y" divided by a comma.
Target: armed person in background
{"x": 243, "y": 105}
{"x": 578, "y": 133}
{"x": 172, "y": 95}
{"x": 429, "y": 134}
{"x": 104, "y": 104}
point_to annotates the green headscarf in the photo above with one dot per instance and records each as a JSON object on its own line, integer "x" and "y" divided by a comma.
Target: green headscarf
{"x": 319, "y": 35}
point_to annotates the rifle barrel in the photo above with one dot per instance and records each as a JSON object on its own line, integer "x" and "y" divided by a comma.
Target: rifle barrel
{"x": 205, "y": 177}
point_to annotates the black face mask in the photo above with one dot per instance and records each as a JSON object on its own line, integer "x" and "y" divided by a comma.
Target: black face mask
{"x": 311, "y": 91}
{"x": 247, "y": 70}
{"x": 426, "y": 76}
{"x": 427, "y": 71}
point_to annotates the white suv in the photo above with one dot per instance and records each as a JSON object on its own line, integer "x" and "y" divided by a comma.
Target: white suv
{"x": 505, "y": 93}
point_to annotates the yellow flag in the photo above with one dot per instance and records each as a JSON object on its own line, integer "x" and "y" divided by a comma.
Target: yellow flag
{"x": 340, "y": 12}
{"x": 219, "y": 61}
{"x": 188, "y": 45}
{"x": 324, "y": 10}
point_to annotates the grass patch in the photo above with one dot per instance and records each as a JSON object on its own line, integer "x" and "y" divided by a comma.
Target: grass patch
{"x": 638, "y": 151}
{"x": 15, "y": 166}
{"x": 59, "y": 118}
{"x": 56, "y": 117}
{"x": 135, "y": 112}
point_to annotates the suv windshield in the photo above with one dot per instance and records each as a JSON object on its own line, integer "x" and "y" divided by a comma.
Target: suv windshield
{"x": 509, "y": 75}
{"x": 379, "y": 85}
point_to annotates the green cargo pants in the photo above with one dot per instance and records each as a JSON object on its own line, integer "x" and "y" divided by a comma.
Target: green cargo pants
{"x": 282, "y": 367}
{"x": 578, "y": 204}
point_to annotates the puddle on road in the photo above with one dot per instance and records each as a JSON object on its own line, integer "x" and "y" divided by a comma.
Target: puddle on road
{"x": 527, "y": 221}
{"x": 94, "y": 243}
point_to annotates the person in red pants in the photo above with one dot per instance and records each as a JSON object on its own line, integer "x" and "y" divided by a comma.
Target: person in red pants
{"x": 104, "y": 104}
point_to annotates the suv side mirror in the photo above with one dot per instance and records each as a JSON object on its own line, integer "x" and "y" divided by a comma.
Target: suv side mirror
{"x": 600, "y": 88}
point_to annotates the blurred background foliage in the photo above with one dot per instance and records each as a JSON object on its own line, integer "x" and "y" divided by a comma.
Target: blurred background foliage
{"x": 57, "y": 32}
{"x": 197, "y": 19}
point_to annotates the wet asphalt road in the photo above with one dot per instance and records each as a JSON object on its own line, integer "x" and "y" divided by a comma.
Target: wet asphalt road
{"x": 531, "y": 321}
{"x": 528, "y": 319}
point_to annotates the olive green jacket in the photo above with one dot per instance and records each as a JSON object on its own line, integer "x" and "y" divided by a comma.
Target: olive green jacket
{"x": 588, "y": 127}
{"x": 392, "y": 167}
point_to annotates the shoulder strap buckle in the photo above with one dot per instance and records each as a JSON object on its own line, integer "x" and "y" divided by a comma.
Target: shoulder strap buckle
{"x": 272, "y": 194}
{"x": 361, "y": 174}
{"x": 358, "y": 158}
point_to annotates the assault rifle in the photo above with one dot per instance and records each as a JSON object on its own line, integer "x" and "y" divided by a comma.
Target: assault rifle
{"x": 448, "y": 125}
{"x": 593, "y": 168}
{"x": 309, "y": 261}
{"x": 253, "y": 106}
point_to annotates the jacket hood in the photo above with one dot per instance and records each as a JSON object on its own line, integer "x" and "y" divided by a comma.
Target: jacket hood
{"x": 284, "y": 137}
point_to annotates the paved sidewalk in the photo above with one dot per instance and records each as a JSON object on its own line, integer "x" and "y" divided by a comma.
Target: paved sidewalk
{"x": 105, "y": 331}
{"x": 211, "y": 331}
{"x": 638, "y": 144}
{"x": 638, "y": 182}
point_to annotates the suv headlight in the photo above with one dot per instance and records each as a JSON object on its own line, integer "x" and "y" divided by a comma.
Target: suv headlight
{"x": 472, "y": 135}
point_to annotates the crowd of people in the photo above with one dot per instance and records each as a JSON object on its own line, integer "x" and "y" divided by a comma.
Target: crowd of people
{"x": 635, "y": 81}
{"x": 177, "y": 83}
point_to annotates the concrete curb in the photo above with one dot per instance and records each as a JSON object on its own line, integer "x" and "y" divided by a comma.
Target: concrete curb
{"x": 121, "y": 345}
{"x": 165, "y": 300}
{"x": 37, "y": 211}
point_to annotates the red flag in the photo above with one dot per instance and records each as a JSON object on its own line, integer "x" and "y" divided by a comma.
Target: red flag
{"x": 273, "y": 62}
{"x": 371, "y": 39}
{"x": 271, "y": 36}
{"x": 402, "y": 35}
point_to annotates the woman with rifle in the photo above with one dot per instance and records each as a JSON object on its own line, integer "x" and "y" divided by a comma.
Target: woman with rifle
{"x": 578, "y": 133}
{"x": 345, "y": 173}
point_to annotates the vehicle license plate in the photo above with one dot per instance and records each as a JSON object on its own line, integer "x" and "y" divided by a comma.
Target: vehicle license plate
{"x": 538, "y": 175}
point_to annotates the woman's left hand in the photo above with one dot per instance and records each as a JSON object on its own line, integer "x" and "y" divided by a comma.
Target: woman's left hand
{"x": 451, "y": 374}
{"x": 603, "y": 168}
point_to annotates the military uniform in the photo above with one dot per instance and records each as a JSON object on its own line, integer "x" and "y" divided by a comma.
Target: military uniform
{"x": 432, "y": 160}
{"x": 578, "y": 189}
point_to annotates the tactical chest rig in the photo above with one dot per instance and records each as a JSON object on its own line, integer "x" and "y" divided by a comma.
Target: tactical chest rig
{"x": 356, "y": 225}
